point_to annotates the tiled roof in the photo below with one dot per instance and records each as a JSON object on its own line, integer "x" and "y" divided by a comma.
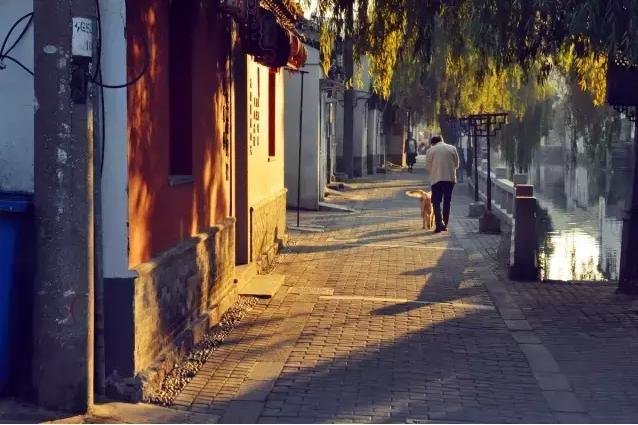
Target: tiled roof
{"x": 288, "y": 12}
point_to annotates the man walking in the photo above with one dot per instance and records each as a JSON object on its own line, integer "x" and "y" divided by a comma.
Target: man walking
{"x": 441, "y": 163}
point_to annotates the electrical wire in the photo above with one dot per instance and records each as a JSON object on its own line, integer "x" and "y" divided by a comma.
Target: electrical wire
{"x": 98, "y": 59}
{"x": 13, "y": 27}
{"x": 102, "y": 126}
{"x": 127, "y": 84}
{"x": 96, "y": 77}
{"x": 5, "y": 54}
{"x": 17, "y": 62}
{"x": 99, "y": 81}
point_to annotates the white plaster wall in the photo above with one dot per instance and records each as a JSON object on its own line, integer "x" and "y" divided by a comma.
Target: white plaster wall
{"x": 115, "y": 178}
{"x": 310, "y": 144}
{"x": 339, "y": 114}
{"x": 373, "y": 139}
{"x": 361, "y": 144}
{"x": 17, "y": 102}
{"x": 324, "y": 138}
{"x": 17, "y": 125}
{"x": 360, "y": 126}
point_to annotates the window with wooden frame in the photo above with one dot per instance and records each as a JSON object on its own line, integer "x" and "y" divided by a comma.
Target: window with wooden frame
{"x": 180, "y": 69}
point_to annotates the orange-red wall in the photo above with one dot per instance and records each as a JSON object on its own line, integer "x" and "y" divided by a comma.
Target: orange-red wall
{"x": 160, "y": 215}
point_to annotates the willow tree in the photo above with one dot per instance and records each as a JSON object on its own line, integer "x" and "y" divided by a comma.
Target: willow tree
{"x": 493, "y": 47}
{"x": 525, "y": 33}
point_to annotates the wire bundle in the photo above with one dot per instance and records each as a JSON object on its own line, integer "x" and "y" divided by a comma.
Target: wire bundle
{"x": 96, "y": 76}
{"x": 4, "y": 54}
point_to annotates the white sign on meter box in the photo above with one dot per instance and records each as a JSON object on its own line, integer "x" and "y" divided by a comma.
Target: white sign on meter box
{"x": 82, "y": 41}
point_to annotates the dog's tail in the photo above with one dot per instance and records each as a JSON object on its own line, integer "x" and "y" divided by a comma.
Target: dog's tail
{"x": 415, "y": 193}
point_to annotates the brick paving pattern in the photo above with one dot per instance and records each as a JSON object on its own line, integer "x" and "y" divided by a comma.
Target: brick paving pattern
{"x": 380, "y": 321}
{"x": 593, "y": 334}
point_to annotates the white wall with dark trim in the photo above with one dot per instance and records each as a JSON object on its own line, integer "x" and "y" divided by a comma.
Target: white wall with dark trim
{"x": 17, "y": 102}
{"x": 311, "y": 187}
{"x": 17, "y": 107}
{"x": 115, "y": 175}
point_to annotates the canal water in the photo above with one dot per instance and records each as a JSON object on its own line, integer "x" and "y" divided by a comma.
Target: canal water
{"x": 582, "y": 193}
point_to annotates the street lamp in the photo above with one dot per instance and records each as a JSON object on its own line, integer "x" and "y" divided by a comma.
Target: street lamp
{"x": 486, "y": 125}
{"x": 476, "y": 208}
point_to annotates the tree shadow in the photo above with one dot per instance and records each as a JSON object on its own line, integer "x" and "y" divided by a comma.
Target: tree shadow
{"x": 433, "y": 357}
{"x": 466, "y": 368}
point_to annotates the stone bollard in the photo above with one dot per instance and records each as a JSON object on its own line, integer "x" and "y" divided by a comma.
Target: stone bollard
{"x": 523, "y": 262}
{"x": 520, "y": 179}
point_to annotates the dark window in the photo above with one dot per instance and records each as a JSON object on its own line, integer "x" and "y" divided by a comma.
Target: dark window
{"x": 180, "y": 87}
{"x": 272, "y": 104}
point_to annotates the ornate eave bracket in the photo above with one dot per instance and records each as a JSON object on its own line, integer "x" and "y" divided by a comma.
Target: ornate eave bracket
{"x": 268, "y": 30}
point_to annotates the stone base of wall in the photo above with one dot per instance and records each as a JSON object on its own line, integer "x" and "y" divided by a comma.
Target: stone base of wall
{"x": 160, "y": 315}
{"x": 268, "y": 229}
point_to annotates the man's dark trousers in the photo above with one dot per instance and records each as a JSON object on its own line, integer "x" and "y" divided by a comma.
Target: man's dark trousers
{"x": 442, "y": 191}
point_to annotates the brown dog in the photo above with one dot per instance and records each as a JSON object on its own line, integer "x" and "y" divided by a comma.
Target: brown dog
{"x": 427, "y": 212}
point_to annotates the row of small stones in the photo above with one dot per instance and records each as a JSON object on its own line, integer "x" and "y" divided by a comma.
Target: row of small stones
{"x": 183, "y": 372}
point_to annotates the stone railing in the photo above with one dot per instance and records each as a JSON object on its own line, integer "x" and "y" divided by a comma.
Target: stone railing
{"x": 514, "y": 204}
{"x": 503, "y": 192}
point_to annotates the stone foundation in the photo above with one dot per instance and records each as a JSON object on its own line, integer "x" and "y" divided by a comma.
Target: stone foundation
{"x": 267, "y": 229}
{"x": 154, "y": 320}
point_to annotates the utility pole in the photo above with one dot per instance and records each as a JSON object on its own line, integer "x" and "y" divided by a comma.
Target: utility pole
{"x": 63, "y": 293}
{"x": 348, "y": 97}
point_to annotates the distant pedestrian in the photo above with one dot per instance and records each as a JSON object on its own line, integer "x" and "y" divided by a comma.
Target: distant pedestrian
{"x": 411, "y": 150}
{"x": 441, "y": 163}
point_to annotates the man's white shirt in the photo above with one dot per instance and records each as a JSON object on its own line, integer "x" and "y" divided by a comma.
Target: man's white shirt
{"x": 441, "y": 163}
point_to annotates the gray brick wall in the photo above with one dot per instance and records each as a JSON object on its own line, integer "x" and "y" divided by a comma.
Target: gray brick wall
{"x": 176, "y": 298}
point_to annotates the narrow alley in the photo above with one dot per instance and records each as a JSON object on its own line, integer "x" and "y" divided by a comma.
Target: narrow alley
{"x": 379, "y": 321}
{"x": 208, "y": 211}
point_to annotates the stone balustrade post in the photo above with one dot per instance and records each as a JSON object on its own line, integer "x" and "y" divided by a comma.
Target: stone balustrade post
{"x": 523, "y": 260}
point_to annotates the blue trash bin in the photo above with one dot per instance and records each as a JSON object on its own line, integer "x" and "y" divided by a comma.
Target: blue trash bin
{"x": 16, "y": 266}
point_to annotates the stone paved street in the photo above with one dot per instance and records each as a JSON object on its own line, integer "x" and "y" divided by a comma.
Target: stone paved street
{"x": 380, "y": 321}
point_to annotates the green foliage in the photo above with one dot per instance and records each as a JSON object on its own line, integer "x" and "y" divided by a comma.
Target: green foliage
{"x": 504, "y": 35}
{"x": 440, "y": 59}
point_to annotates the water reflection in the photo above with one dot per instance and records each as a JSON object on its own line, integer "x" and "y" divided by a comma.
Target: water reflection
{"x": 571, "y": 253}
{"x": 581, "y": 193}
